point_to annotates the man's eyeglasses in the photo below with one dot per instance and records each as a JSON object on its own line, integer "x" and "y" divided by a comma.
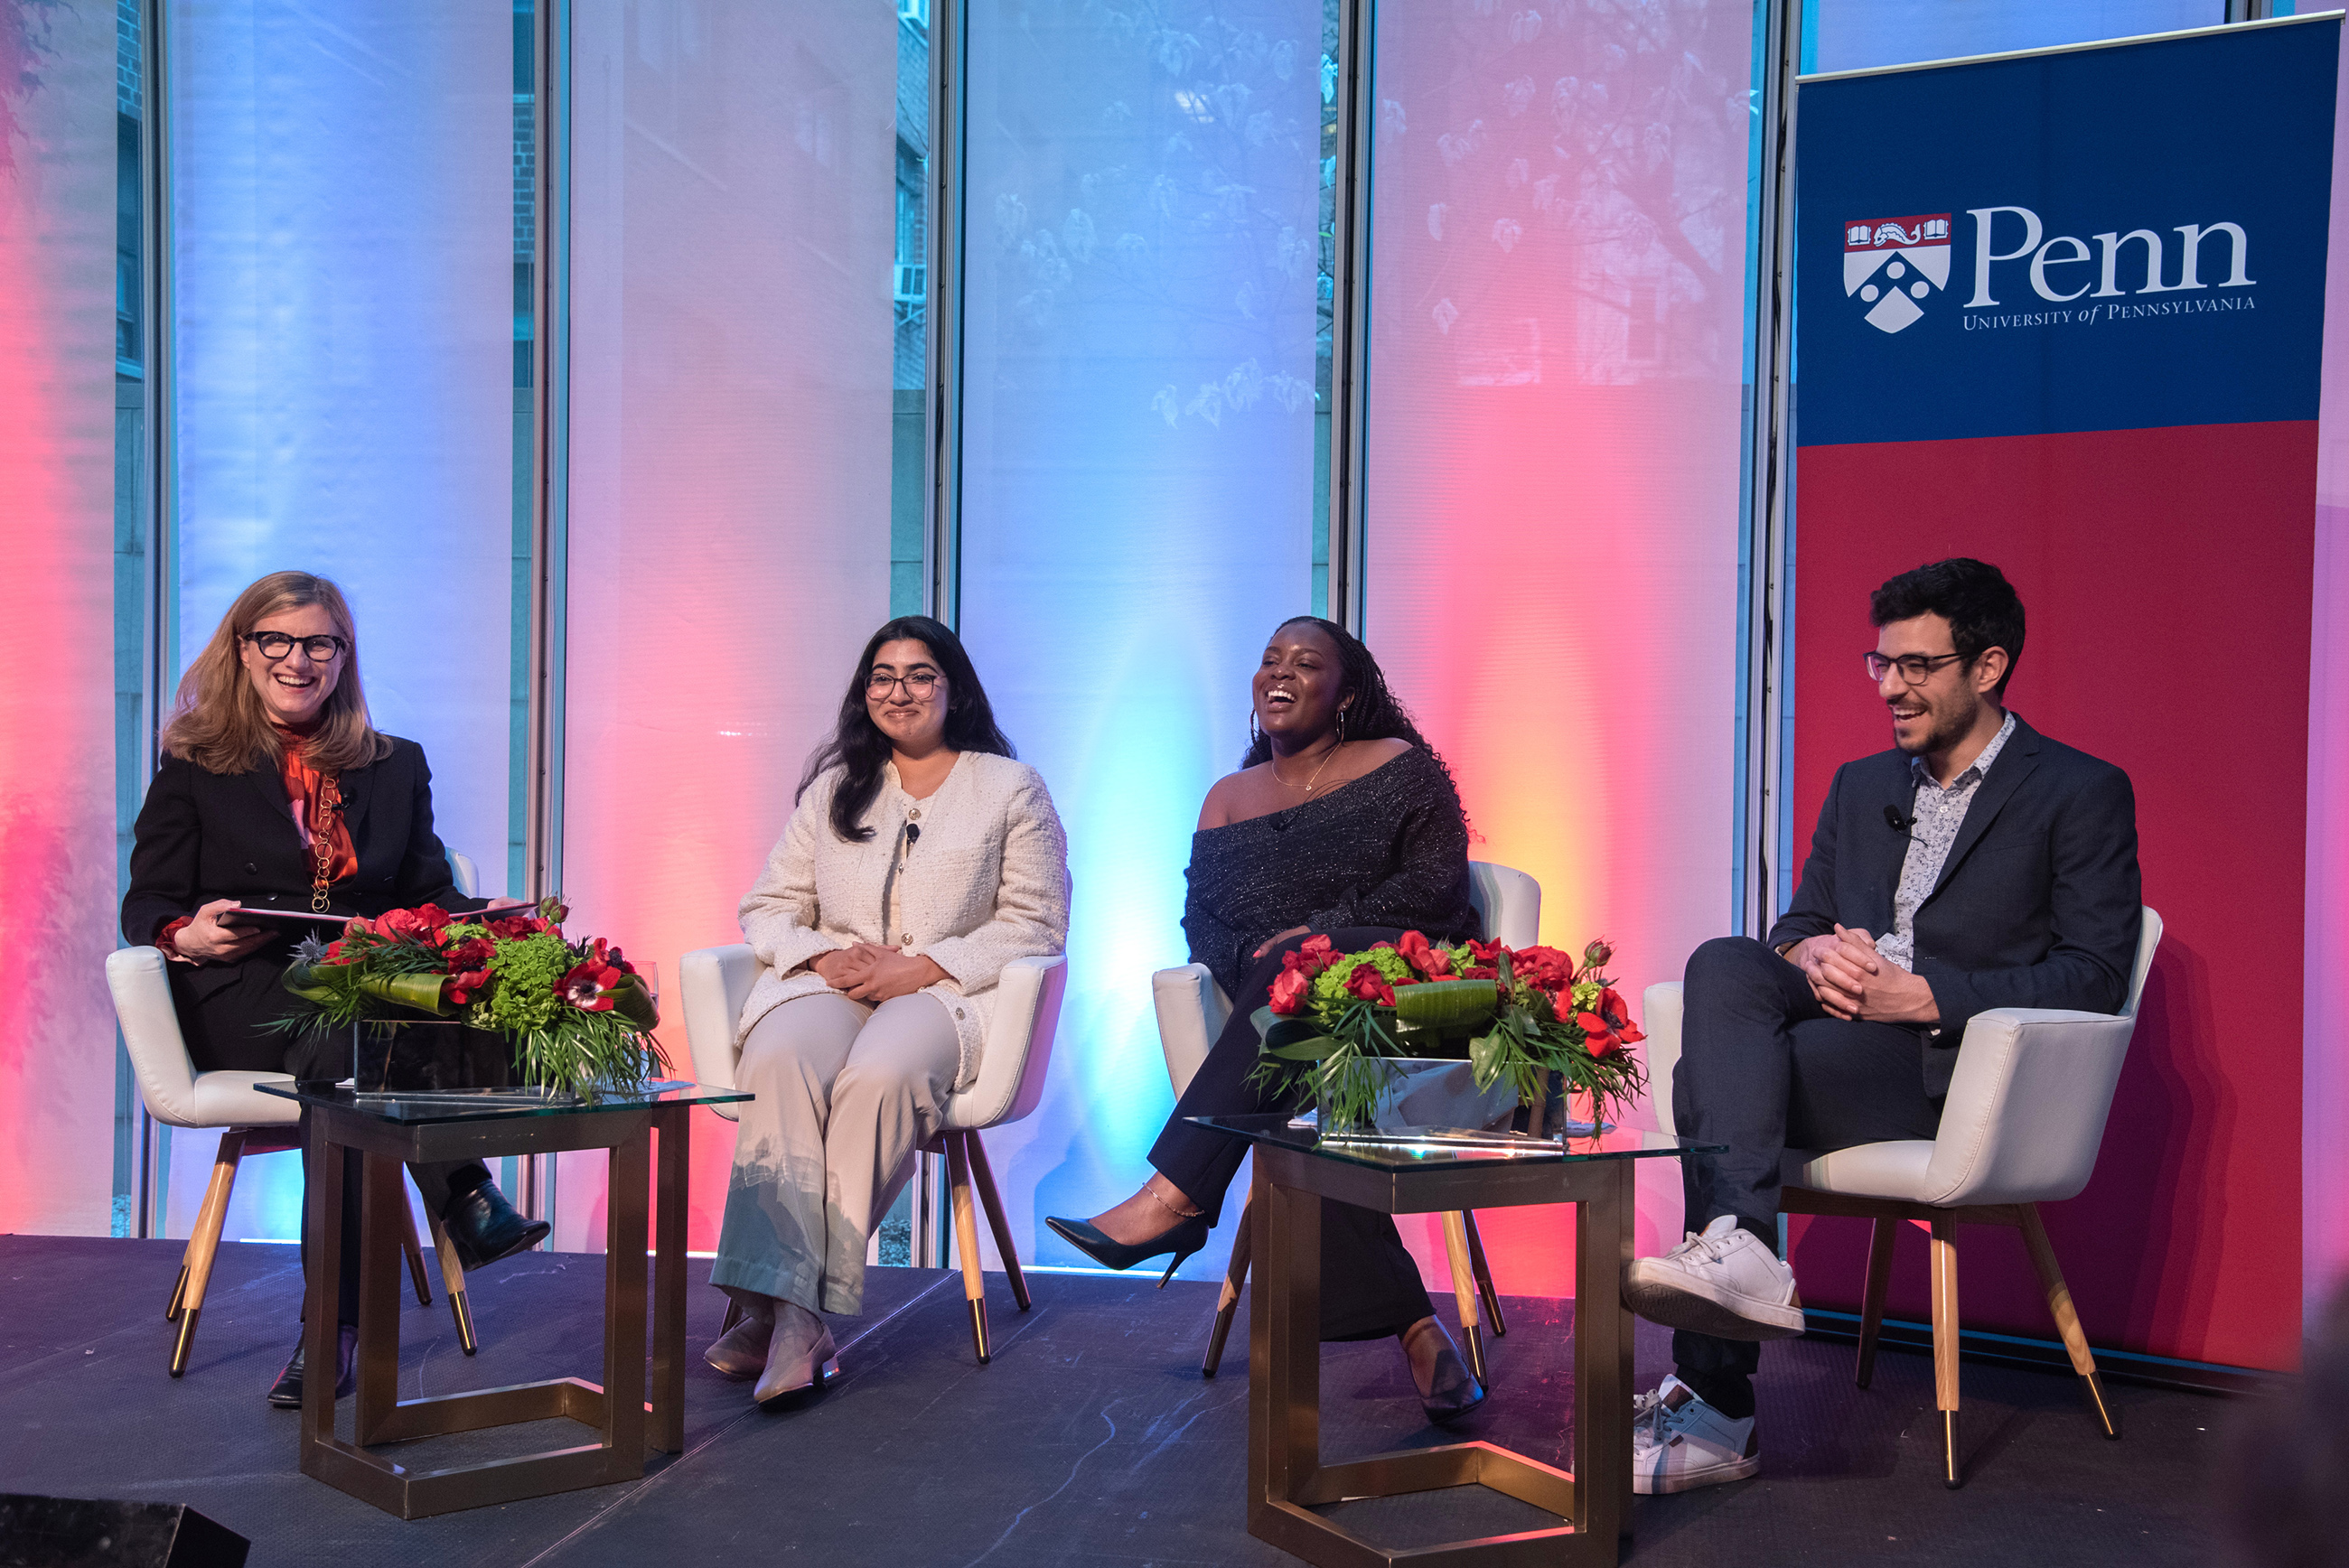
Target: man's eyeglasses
{"x": 1915, "y": 668}
{"x": 275, "y": 646}
{"x": 917, "y": 685}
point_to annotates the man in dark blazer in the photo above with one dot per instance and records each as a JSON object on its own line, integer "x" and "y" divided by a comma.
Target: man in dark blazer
{"x": 1997, "y": 868}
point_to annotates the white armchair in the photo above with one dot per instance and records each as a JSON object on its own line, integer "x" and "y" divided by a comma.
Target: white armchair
{"x": 1192, "y": 1011}
{"x": 715, "y": 982}
{"x": 250, "y": 1122}
{"x": 2020, "y": 1127}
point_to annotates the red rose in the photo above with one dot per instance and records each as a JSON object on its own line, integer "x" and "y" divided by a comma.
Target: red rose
{"x": 337, "y": 953}
{"x": 1543, "y": 969}
{"x": 1487, "y": 953}
{"x": 1308, "y": 957}
{"x": 473, "y": 953}
{"x": 462, "y": 986}
{"x": 1367, "y": 983}
{"x": 1289, "y": 989}
{"x": 1598, "y": 955}
{"x": 1481, "y": 971}
{"x": 1421, "y": 955}
{"x": 514, "y": 927}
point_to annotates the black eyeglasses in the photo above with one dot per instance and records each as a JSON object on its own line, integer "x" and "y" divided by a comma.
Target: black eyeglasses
{"x": 1915, "y": 668}
{"x": 275, "y": 646}
{"x": 917, "y": 685}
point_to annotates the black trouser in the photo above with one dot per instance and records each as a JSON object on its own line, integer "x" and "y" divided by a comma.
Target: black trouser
{"x": 1370, "y": 1284}
{"x": 1763, "y": 1069}
{"x": 312, "y": 1058}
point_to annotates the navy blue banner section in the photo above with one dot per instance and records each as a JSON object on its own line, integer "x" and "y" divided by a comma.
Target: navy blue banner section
{"x": 2103, "y": 238}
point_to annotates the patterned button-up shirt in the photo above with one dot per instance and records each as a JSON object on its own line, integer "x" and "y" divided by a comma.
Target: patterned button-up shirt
{"x": 1940, "y": 812}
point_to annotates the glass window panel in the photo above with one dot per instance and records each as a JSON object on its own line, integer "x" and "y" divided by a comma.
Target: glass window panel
{"x": 1856, "y": 35}
{"x": 343, "y": 365}
{"x": 1138, "y": 327}
{"x": 1554, "y": 381}
{"x": 732, "y": 235}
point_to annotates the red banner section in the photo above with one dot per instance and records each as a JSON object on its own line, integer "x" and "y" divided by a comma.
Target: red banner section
{"x": 2165, "y": 573}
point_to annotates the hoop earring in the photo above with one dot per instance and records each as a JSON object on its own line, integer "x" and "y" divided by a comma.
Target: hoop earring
{"x": 1255, "y": 735}
{"x": 1342, "y": 725}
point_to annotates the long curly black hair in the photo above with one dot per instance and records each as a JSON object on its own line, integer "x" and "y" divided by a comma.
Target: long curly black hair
{"x": 857, "y": 745}
{"x": 1373, "y": 714}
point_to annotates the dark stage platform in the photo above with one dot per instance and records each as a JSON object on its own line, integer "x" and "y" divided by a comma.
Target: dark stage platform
{"x": 1091, "y": 1441}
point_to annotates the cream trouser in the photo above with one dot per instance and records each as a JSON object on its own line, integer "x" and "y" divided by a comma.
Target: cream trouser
{"x": 846, "y": 1092}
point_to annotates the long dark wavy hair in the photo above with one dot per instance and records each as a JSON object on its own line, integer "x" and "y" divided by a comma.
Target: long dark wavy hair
{"x": 1373, "y": 714}
{"x": 857, "y": 745}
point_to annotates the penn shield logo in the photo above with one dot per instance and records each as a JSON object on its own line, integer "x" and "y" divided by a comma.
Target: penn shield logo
{"x": 1891, "y": 264}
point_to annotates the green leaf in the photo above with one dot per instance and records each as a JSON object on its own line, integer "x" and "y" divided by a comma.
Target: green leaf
{"x": 1485, "y": 1055}
{"x": 1311, "y": 1051}
{"x": 1444, "y": 1004}
{"x": 421, "y": 992}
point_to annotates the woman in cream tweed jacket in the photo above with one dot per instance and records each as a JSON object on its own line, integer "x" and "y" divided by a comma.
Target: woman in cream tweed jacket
{"x": 987, "y": 884}
{"x": 920, "y": 859}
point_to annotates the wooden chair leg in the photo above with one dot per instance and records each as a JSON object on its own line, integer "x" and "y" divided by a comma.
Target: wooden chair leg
{"x": 965, "y": 1224}
{"x": 1945, "y": 1344}
{"x": 1227, "y": 1301}
{"x": 452, "y": 1282}
{"x": 203, "y": 1245}
{"x": 2067, "y": 1320}
{"x": 414, "y": 1252}
{"x": 1464, "y": 1291}
{"x": 993, "y": 1203}
{"x": 1871, "y": 1301}
{"x": 1485, "y": 1291}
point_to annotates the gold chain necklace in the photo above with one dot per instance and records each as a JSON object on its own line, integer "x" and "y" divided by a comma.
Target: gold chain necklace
{"x": 322, "y": 841}
{"x": 1310, "y": 778}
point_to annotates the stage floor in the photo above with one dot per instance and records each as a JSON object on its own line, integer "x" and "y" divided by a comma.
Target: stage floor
{"x": 1092, "y": 1439}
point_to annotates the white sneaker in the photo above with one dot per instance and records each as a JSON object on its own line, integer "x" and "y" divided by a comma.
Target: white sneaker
{"x": 1725, "y": 1283}
{"x": 1679, "y": 1442}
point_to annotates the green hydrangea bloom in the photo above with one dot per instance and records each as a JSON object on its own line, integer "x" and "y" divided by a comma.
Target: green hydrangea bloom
{"x": 524, "y": 975}
{"x": 1330, "y": 994}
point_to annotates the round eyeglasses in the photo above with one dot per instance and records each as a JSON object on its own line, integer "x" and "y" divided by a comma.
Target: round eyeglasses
{"x": 275, "y": 646}
{"x": 918, "y": 685}
{"x": 1915, "y": 668}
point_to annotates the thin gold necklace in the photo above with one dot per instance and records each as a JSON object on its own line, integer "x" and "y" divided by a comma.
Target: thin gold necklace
{"x": 1310, "y": 778}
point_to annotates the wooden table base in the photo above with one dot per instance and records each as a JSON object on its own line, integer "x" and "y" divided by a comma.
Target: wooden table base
{"x": 625, "y": 1425}
{"x": 1286, "y": 1478}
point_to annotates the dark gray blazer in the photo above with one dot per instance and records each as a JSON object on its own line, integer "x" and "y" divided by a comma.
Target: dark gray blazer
{"x": 2037, "y": 906}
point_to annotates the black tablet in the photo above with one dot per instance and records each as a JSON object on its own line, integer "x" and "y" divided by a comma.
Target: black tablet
{"x": 280, "y": 919}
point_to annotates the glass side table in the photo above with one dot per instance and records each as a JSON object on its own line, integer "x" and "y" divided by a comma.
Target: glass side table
{"x": 389, "y": 1130}
{"x": 1296, "y": 1167}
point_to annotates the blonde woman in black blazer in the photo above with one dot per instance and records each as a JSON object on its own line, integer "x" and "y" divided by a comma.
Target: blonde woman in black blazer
{"x": 273, "y": 787}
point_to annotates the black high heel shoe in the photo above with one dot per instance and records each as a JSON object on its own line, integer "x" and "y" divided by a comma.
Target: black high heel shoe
{"x": 1184, "y": 1240}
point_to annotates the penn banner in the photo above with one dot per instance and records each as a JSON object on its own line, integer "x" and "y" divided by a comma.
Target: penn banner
{"x": 2063, "y": 311}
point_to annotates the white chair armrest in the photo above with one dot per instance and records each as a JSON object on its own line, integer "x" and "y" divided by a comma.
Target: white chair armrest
{"x": 1507, "y": 901}
{"x": 1661, "y": 1051}
{"x": 1192, "y": 1011}
{"x": 713, "y": 985}
{"x": 2027, "y": 1105}
{"x": 1018, "y": 1055}
{"x": 463, "y": 875}
{"x": 151, "y": 1031}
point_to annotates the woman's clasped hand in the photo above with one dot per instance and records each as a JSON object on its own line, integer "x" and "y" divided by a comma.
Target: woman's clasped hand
{"x": 869, "y": 972}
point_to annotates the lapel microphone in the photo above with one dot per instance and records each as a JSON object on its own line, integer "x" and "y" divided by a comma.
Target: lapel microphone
{"x": 913, "y": 834}
{"x": 1896, "y": 821}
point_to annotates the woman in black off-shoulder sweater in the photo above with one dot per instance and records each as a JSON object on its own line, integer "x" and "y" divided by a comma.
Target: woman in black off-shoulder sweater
{"x": 1341, "y": 823}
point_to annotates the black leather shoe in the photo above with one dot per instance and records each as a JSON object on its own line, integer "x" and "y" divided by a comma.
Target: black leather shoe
{"x": 1453, "y": 1389}
{"x": 287, "y": 1393}
{"x": 484, "y": 1227}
